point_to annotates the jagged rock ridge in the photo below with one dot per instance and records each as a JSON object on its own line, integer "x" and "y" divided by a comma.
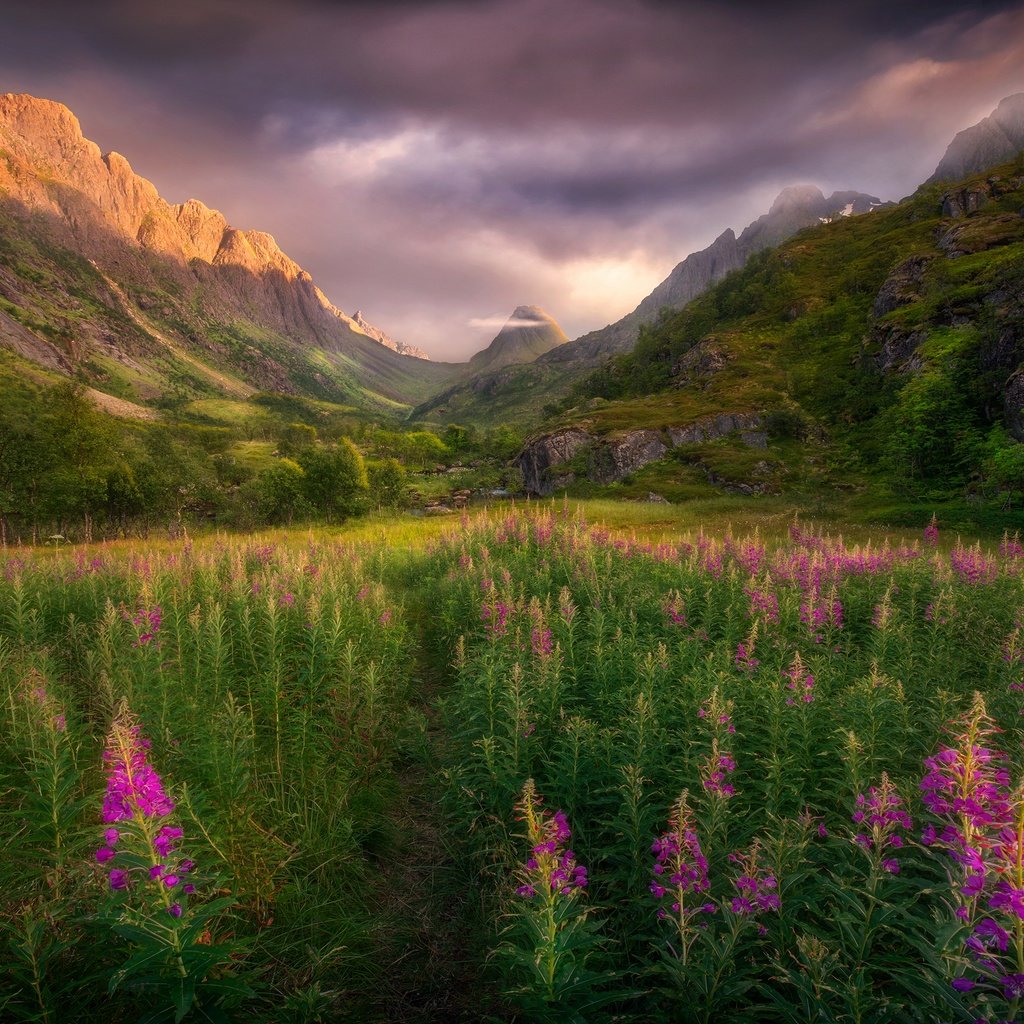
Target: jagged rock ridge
{"x": 795, "y": 208}
{"x": 54, "y": 179}
{"x": 386, "y": 340}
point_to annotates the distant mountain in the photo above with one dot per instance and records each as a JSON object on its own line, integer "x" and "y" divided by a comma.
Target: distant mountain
{"x": 386, "y": 340}
{"x": 993, "y": 140}
{"x": 528, "y": 333}
{"x": 795, "y": 208}
{"x": 143, "y": 298}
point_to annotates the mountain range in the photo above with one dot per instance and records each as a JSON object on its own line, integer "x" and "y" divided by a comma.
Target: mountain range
{"x": 158, "y": 306}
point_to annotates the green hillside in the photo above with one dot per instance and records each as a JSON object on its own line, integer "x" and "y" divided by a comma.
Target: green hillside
{"x": 882, "y": 349}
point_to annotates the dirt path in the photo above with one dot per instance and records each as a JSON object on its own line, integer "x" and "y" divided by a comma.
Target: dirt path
{"x": 429, "y": 899}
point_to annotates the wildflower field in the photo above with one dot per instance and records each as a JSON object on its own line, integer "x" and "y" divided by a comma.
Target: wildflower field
{"x": 529, "y": 769}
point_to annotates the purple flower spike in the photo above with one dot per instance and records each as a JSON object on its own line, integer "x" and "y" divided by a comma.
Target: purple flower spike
{"x": 552, "y": 867}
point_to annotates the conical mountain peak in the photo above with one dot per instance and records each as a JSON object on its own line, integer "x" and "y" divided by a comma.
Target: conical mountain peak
{"x": 528, "y": 333}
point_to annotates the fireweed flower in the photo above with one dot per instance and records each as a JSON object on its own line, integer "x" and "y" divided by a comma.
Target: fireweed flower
{"x": 799, "y": 682}
{"x": 882, "y": 614}
{"x": 819, "y": 613}
{"x": 881, "y": 818}
{"x": 972, "y": 566}
{"x": 715, "y": 771}
{"x": 551, "y": 869}
{"x": 675, "y": 610}
{"x": 1011, "y": 547}
{"x": 135, "y": 795}
{"x": 681, "y": 876}
{"x": 757, "y": 890}
{"x": 717, "y": 714}
{"x": 996, "y": 939}
{"x": 42, "y": 705}
{"x": 147, "y": 624}
{"x": 744, "y": 659}
{"x": 541, "y": 643}
{"x": 495, "y": 614}
{"x": 764, "y": 604}
{"x": 931, "y": 532}
{"x": 966, "y": 788}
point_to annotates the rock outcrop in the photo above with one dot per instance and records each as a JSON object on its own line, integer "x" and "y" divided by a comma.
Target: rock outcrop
{"x": 544, "y": 460}
{"x": 992, "y": 141}
{"x": 542, "y": 457}
{"x": 699, "y": 364}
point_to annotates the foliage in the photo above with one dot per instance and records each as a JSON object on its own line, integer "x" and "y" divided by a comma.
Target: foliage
{"x": 334, "y": 479}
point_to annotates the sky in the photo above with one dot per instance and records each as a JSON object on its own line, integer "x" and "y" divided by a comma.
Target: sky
{"x": 436, "y": 164}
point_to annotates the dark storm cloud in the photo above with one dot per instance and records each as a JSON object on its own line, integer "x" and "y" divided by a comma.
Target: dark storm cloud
{"x": 435, "y": 162}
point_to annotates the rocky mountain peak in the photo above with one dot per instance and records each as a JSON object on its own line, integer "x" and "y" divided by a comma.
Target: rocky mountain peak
{"x": 97, "y": 205}
{"x": 993, "y": 140}
{"x": 529, "y": 313}
{"x": 795, "y": 197}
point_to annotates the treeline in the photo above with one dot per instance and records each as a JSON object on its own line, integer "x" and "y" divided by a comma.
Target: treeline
{"x": 70, "y": 471}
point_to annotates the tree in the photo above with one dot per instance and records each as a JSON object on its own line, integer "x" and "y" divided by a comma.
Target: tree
{"x": 295, "y": 438}
{"x": 335, "y": 482}
{"x": 277, "y": 495}
{"x": 423, "y": 448}
{"x": 387, "y": 483}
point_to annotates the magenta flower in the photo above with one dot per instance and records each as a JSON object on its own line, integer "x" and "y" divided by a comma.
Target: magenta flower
{"x": 715, "y": 771}
{"x": 681, "y": 877}
{"x": 800, "y": 683}
{"x": 541, "y": 643}
{"x": 757, "y": 887}
{"x": 135, "y": 794}
{"x": 763, "y": 604}
{"x": 133, "y": 786}
{"x": 551, "y": 867}
{"x": 881, "y": 817}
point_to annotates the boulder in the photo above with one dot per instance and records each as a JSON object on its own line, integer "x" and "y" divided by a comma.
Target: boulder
{"x": 542, "y": 454}
{"x": 903, "y": 286}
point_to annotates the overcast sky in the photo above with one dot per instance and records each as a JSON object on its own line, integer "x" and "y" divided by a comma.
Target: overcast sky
{"x": 440, "y": 163}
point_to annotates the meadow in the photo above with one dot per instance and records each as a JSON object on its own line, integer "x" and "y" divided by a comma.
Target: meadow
{"x": 518, "y": 766}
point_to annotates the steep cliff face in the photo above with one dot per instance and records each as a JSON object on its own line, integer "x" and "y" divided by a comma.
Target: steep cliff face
{"x": 993, "y": 140}
{"x": 56, "y": 183}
